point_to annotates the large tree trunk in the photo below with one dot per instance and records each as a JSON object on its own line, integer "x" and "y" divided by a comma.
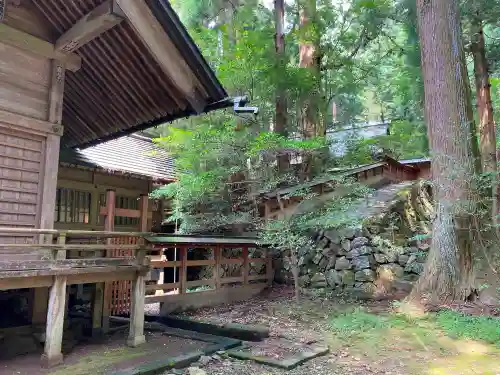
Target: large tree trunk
{"x": 448, "y": 273}
{"x": 485, "y": 114}
{"x": 309, "y": 59}
{"x": 280, "y": 123}
{"x": 484, "y": 104}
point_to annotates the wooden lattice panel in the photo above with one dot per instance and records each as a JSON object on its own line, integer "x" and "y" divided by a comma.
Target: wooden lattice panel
{"x": 120, "y": 291}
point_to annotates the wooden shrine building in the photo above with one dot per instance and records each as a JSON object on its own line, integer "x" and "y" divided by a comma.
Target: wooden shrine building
{"x": 75, "y": 74}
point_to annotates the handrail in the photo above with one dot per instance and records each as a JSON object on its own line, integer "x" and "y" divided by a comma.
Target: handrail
{"x": 72, "y": 232}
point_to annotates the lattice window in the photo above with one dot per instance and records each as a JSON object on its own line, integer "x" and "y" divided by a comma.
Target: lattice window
{"x": 130, "y": 203}
{"x": 72, "y": 206}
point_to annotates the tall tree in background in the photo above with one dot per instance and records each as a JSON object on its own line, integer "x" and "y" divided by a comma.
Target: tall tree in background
{"x": 310, "y": 59}
{"x": 478, "y": 14}
{"x": 448, "y": 273}
{"x": 280, "y": 122}
{"x": 483, "y": 98}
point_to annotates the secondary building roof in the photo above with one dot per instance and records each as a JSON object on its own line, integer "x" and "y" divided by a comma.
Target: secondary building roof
{"x": 133, "y": 155}
{"x": 142, "y": 72}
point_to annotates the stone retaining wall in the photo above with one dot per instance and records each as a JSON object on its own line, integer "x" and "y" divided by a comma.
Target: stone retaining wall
{"x": 376, "y": 257}
{"x": 359, "y": 259}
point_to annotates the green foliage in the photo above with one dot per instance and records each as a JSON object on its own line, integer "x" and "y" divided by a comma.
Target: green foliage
{"x": 361, "y": 324}
{"x": 223, "y": 163}
{"x": 407, "y": 140}
{"x": 311, "y": 215}
{"x": 458, "y": 325}
{"x": 358, "y": 322}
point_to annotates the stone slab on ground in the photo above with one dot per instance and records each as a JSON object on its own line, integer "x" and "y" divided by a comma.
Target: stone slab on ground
{"x": 181, "y": 361}
{"x": 287, "y": 363}
{"x": 235, "y": 331}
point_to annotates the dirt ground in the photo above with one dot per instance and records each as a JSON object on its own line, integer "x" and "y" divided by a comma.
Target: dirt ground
{"x": 104, "y": 358}
{"x": 362, "y": 341}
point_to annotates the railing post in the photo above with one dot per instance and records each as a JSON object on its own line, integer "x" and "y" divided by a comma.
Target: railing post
{"x": 269, "y": 267}
{"x": 143, "y": 225}
{"x": 61, "y": 253}
{"x": 217, "y": 273}
{"x": 246, "y": 266}
{"x": 183, "y": 269}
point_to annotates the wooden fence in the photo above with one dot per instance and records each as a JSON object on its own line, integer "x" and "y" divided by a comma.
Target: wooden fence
{"x": 232, "y": 269}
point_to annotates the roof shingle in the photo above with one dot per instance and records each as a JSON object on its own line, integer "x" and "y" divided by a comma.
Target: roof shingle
{"x": 133, "y": 154}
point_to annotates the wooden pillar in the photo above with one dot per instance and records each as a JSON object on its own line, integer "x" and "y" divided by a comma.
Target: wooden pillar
{"x": 55, "y": 323}
{"x": 100, "y": 314}
{"x": 49, "y": 180}
{"x": 98, "y": 297}
{"x": 136, "y": 331}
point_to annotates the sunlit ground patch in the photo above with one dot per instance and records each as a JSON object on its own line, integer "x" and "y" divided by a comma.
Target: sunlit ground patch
{"x": 446, "y": 343}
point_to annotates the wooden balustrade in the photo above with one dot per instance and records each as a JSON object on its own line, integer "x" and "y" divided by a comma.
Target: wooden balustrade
{"x": 231, "y": 278}
{"x": 53, "y": 253}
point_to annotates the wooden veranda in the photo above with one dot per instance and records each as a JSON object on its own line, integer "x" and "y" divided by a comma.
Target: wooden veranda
{"x": 119, "y": 264}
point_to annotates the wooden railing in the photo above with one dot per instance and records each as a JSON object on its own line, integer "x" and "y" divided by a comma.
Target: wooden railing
{"x": 53, "y": 247}
{"x": 282, "y": 203}
{"x": 233, "y": 268}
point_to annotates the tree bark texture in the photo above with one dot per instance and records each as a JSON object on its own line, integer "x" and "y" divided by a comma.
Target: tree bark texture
{"x": 485, "y": 113}
{"x": 309, "y": 59}
{"x": 484, "y": 104}
{"x": 448, "y": 273}
{"x": 280, "y": 123}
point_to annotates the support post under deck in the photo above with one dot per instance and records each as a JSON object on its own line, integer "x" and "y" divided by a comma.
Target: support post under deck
{"x": 52, "y": 355}
{"x": 136, "y": 331}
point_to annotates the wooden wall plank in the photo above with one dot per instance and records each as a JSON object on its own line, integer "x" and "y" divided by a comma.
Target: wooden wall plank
{"x": 24, "y": 16}
{"x": 24, "y": 82}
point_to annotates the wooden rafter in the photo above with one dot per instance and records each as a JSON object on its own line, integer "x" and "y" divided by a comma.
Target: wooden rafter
{"x": 90, "y": 26}
{"x": 163, "y": 49}
{"x": 30, "y": 43}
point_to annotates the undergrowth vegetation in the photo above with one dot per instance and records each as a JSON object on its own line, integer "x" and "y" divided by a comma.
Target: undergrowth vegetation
{"x": 359, "y": 323}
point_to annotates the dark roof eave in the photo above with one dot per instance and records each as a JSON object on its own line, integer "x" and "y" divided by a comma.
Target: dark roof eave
{"x": 189, "y": 50}
{"x": 225, "y": 103}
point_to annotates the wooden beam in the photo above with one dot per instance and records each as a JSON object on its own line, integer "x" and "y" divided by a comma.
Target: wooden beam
{"x": 90, "y": 26}
{"x": 30, "y": 43}
{"x": 18, "y": 122}
{"x": 56, "y": 95}
{"x": 163, "y": 50}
